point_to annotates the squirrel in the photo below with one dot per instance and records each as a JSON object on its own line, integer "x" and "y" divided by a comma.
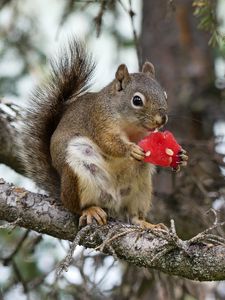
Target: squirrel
{"x": 81, "y": 147}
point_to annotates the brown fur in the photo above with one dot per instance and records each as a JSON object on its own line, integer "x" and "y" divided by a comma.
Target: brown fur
{"x": 69, "y": 190}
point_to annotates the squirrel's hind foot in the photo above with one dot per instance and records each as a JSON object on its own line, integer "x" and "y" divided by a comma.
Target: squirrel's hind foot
{"x": 146, "y": 225}
{"x": 91, "y": 214}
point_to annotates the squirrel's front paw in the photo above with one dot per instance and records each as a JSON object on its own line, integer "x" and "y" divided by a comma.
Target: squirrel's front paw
{"x": 136, "y": 152}
{"x": 183, "y": 158}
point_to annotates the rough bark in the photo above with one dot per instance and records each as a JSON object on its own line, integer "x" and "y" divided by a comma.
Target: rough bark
{"x": 194, "y": 259}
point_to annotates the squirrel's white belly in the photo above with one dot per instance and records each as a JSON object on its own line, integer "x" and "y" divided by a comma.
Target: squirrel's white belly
{"x": 118, "y": 184}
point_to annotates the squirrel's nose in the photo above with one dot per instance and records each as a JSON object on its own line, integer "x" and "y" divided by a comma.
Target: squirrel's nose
{"x": 161, "y": 119}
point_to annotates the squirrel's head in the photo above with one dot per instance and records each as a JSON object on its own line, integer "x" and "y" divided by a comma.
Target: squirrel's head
{"x": 141, "y": 100}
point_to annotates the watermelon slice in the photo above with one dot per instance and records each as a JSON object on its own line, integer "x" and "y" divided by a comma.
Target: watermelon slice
{"x": 161, "y": 148}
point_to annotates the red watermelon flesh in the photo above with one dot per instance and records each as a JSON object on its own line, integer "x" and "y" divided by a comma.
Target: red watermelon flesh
{"x": 158, "y": 144}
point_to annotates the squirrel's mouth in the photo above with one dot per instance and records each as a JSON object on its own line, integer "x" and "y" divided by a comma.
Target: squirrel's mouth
{"x": 156, "y": 123}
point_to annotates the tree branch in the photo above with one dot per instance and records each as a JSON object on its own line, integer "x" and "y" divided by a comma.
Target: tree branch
{"x": 200, "y": 258}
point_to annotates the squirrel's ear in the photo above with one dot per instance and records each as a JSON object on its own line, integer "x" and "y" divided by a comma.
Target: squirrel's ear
{"x": 122, "y": 77}
{"x": 148, "y": 68}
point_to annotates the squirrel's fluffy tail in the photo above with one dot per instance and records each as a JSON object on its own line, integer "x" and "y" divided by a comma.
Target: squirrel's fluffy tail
{"x": 69, "y": 78}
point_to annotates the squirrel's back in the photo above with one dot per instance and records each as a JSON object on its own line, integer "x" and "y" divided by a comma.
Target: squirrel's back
{"x": 69, "y": 78}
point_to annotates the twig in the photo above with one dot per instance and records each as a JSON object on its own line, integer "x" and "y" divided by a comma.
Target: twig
{"x": 98, "y": 18}
{"x": 64, "y": 264}
{"x": 132, "y": 14}
{"x": 203, "y": 235}
{"x": 136, "y": 41}
{"x": 215, "y": 215}
{"x": 175, "y": 239}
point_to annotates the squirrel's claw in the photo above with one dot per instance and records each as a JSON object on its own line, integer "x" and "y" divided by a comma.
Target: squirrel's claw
{"x": 182, "y": 151}
{"x": 183, "y": 158}
{"x": 93, "y": 213}
{"x": 182, "y": 154}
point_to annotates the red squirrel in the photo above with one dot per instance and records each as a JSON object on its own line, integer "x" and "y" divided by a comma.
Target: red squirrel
{"x": 81, "y": 146}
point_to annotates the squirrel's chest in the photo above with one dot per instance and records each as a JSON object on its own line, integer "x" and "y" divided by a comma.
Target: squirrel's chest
{"x": 124, "y": 170}
{"x": 130, "y": 184}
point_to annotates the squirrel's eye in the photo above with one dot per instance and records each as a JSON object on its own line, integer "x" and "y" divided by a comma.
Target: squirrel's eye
{"x": 137, "y": 101}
